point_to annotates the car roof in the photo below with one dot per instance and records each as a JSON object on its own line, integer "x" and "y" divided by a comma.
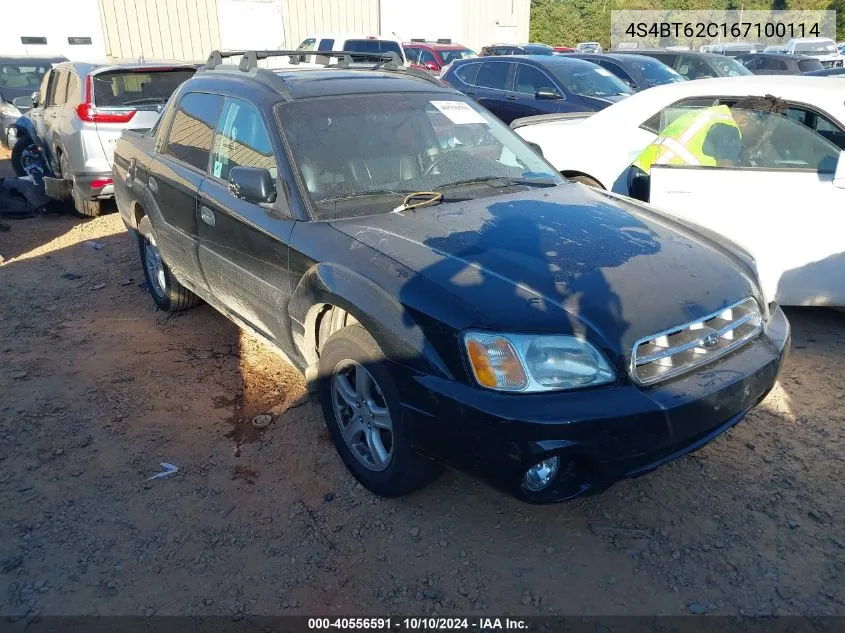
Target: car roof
{"x": 648, "y": 51}
{"x": 436, "y": 45}
{"x": 538, "y": 60}
{"x": 102, "y": 66}
{"x": 32, "y": 59}
{"x": 787, "y": 57}
{"x": 818, "y": 91}
{"x": 621, "y": 57}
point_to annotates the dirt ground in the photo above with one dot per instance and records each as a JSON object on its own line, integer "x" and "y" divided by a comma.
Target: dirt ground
{"x": 98, "y": 388}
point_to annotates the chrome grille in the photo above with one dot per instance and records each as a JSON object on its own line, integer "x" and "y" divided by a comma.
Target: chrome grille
{"x": 680, "y": 349}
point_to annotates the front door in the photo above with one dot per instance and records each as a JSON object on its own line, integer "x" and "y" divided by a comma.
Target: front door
{"x": 175, "y": 179}
{"x": 778, "y": 199}
{"x": 243, "y": 247}
{"x": 490, "y": 86}
{"x": 522, "y": 100}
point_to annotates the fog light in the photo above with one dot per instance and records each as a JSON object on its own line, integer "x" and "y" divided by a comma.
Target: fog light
{"x": 540, "y": 475}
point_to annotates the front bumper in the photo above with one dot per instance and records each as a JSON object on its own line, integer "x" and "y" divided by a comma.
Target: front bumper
{"x": 602, "y": 434}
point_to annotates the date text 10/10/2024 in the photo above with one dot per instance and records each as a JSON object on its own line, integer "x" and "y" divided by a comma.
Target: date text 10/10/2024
{"x": 417, "y": 624}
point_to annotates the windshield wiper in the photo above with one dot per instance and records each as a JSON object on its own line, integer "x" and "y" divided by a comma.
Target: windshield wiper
{"x": 144, "y": 101}
{"x": 501, "y": 181}
{"x": 375, "y": 193}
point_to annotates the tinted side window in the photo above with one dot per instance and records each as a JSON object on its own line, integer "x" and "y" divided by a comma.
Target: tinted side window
{"x": 530, "y": 80}
{"x": 60, "y": 92}
{"x": 427, "y": 56}
{"x": 241, "y": 140}
{"x": 617, "y": 70}
{"x": 493, "y": 75}
{"x": 44, "y": 89}
{"x": 325, "y": 45}
{"x": 193, "y": 127}
{"x": 412, "y": 54}
{"x": 468, "y": 73}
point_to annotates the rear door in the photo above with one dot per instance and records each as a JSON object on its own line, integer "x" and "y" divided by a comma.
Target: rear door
{"x": 175, "y": 178}
{"x": 131, "y": 98}
{"x": 53, "y": 116}
{"x": 491, "y": 85}
{"x": 780, "y": 202}
{"x": 243, "y": 247}
{"x": 36, "y": 115}
{"x": 521, "y": 100}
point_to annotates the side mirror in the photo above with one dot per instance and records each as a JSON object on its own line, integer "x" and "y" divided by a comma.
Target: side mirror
{"x": 431, "y": 66}
{"x": 537, "y": 149}
{"x": 253, "y": 184}
{"x": 35, "y": 98}
{"x": 839, "y": 174}
{"x": 24, "y": 102}
{"x": 547, "y": 94}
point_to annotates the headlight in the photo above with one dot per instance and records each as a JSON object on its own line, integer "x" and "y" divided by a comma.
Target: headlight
{"x": 529, "y": 363}
{"x": 7, "y": 109}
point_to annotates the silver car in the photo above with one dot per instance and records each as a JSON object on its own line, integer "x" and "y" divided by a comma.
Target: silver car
{"x": 79, "y": 113}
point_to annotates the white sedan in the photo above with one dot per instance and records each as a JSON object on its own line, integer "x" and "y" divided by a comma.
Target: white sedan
{"x": 787, "y": 208}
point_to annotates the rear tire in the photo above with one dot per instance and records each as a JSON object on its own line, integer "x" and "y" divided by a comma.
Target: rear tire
{"x": 359, "y": 407}
{"x": 166, "y": 291}
{"x": 22, "y": 144}
{"x": 86, "y": 207}
{"x": 586, "y": 180}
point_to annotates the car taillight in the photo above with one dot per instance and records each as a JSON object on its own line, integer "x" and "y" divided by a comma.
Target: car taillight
{"x": 101, "y": 182}
{"x": 90, "y": 114}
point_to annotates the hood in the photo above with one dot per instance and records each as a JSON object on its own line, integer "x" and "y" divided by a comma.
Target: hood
{"x": 566, "y": 259}
{"x": 602, "y": 102}
{"x": 9, "y": 94}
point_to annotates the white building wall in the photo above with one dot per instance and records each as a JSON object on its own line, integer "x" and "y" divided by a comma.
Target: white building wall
{"x": 251, "y": 24}
{"x": 301, "y": 18}
{"x": 55, "y": 20}
{"x": 185, "y": 30}
{"x": 473, "y": 23}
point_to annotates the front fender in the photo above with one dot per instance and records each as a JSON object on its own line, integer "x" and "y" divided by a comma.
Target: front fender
{"x": 24, "y": 125}
{"x": 392, "y": 325}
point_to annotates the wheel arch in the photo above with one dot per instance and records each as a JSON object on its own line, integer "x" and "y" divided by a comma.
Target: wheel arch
{"x": 345, "y": 297}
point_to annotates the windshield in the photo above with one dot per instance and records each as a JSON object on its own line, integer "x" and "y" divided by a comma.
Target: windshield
{"x": 450, "y": 55}
{"x": 372, "y": 46}
{"x": 22, "y": 75}
{"x": 117, "y": 89}
{"x": 655, "y": 73}
{"x": 815, "y": 47}
{"x": 538, "y": 49}
{"x": 589, "y": 80}
{"x": 362, "y": 154}
{"x": 729, "y": 67}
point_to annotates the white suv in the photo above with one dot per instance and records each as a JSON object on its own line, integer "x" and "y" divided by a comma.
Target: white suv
{"x": 376, "y": 44}
{"x": 821, "y": 48}
{"x": 77, "y": 116}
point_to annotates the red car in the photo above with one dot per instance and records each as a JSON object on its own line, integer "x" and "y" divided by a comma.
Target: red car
{"x": 433, "y": 56}
{"x": 563, "y": 49}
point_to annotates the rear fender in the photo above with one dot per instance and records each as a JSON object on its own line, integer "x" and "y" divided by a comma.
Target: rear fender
{"x": 388, "y": 321}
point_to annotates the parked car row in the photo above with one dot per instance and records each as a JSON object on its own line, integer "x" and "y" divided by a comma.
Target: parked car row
{"x": 452, "y": 298}
{"x": 773, "y": 181}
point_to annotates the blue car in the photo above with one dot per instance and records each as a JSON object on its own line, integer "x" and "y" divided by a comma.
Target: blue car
{"x": 517, "y": 86}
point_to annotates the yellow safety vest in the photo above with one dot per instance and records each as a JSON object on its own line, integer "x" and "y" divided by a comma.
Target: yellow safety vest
{"x": 680, "y": 143}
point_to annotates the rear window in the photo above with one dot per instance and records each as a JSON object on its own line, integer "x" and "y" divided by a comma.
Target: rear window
{"x": 117, "y": 89}
{"x": 806, "y": 65}
{"x": 450, "y": 55}
{"x": 22, "y": 75}
{"x": 372, "y": 46}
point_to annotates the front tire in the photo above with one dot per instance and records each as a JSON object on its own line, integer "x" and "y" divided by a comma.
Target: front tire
{"x": 361, "y": 408}
{"x": 166, "y": 291}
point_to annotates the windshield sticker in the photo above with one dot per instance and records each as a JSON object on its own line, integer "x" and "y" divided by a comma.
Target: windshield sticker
{"x": 458, "y": 112}
{"x": 604, "y": 72}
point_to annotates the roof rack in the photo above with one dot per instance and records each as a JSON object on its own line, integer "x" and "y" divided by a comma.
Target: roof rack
{"x": 390, "y": 61}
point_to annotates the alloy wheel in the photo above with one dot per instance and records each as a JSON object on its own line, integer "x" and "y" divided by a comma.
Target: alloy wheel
{"x": 362, "y": 415}
{"x": 154, "y": 266}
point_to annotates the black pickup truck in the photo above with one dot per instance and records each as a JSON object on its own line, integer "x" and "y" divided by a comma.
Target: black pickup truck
{"x": 451, "y": 297}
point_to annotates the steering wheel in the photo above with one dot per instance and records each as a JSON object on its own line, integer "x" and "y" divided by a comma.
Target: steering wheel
{"x": 438, "y": 160}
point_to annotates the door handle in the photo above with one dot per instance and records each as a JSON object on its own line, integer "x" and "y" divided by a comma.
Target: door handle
{"x": 207, "y": 215}
{"x": 130, "y": 172}
{"x": 512, "y": 97}
{"x": 153, "y": 184}
{"x": 469, "y": 92}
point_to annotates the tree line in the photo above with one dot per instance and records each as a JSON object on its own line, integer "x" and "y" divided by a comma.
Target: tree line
{"x": 567, "y": 22}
